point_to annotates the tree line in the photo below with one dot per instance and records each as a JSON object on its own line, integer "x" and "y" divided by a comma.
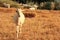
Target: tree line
{"x": 38, "y": 1}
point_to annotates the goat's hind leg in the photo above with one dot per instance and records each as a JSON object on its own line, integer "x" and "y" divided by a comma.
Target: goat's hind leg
{"x": 20, "y": 28}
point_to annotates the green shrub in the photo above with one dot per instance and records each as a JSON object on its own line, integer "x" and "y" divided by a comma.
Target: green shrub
{"x": 57, "y": 6}
{"x": 52, "y": 5}
{"x": 47, "y": 5}
{"x": 41, "y": 6}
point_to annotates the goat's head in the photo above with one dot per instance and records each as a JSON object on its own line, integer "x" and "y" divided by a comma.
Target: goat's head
{"x": 19, "y": 12}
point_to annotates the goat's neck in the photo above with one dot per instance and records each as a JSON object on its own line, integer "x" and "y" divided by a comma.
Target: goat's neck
{"x": 21, "y": 14}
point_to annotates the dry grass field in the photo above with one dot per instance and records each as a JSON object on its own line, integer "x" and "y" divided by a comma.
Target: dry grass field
{"x": 45, "y": 25}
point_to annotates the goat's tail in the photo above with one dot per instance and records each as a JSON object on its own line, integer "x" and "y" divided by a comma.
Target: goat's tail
{"x": 17, "y": 31}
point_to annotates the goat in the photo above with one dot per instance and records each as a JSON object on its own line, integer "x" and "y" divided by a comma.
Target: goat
{"x": 6, "y": 5}
{"x": 20, "y": 20}
{"x": 32, "y": 8}
{"x": 35, "y": 6}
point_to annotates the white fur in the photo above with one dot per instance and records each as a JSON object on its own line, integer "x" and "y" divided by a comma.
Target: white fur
{"x": 20, "y": 21}
{"x": 32, "y": 8}
{"x": 6, "y": 5}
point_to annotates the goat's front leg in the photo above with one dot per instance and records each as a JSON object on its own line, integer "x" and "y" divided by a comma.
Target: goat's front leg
{"x": 17, "y": 31}
{"x": 20, "y": 27}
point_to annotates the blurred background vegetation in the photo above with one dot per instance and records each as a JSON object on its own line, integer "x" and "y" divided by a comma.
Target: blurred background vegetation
{"x": 12, "y": 3}
{"x": 42, "y": 4}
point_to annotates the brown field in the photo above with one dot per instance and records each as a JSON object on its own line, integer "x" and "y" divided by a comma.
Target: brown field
{"x": 45, "y": 25}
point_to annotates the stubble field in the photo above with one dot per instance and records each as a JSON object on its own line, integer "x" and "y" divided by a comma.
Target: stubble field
{"x": 45, "y": 25}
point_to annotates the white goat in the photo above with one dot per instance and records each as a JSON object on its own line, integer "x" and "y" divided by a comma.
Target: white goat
{"x": 32, "y": 8}
{"x": 6, "y": 5}
{"x": 20, "y": 20}
{"x": 35, "y": 6}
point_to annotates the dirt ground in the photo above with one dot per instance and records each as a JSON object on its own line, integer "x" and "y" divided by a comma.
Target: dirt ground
{"x": 45, "y": 25}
